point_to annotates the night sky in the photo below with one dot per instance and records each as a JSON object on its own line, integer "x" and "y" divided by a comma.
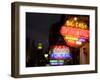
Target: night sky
{"x": 38, "y": 27}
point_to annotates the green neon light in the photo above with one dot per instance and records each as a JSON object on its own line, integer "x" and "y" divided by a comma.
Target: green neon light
{"x": 53, "y": 60}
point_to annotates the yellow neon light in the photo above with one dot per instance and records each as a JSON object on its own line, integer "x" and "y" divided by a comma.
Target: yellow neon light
{"x": 76, "y": 24}
{"x": 71, "y": 38}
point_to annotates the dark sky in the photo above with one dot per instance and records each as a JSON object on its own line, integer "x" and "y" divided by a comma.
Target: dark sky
{"x": 38, "y": 26}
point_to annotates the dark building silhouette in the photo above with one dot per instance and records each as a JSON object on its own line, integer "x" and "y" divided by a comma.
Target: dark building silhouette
{"x": 55, "y": 38}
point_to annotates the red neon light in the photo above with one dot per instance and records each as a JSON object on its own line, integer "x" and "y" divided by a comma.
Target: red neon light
{"x": 74, "y": 32}
{"x": 72, "y": 43}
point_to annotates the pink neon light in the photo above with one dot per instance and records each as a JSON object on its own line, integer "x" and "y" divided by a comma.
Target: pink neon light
{"x": 60, "y": 47}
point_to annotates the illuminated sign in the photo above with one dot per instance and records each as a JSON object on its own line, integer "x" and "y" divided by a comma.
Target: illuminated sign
{"x": 74, "y": 37}
{"x": 82, "y": 40}
{"x": 60, "y": 49}
{"x": 72, "y": 43}
{"x": 60, "y": 56}
{"x": 70, "y": 38}
{"x": 74, "y": 32}
{"x": 56, "y": 62}
{"x": 60, "y": 52}
{"x": 76, "y": 24}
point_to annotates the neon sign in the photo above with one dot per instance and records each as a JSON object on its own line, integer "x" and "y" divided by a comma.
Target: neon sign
{"x": 74, "y": 32}
{"x": 76, "y": 24}
{"x": 56, "y": 62}
{"x": 60, "y": 49}
{"x": 72, "y": 43}
{"x": 60, "y": 56}
{"x": 70, "y": 38}
{"x": 74, "y": 37}
{"x": 60, "y": 52}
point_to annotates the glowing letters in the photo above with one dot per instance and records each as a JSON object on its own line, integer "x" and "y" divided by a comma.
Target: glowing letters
{"x": 78, "y": 33}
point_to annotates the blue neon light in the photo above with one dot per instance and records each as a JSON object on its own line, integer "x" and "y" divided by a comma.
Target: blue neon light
{"x": 56, "y": 63}
{"x": 60, "y": 56}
